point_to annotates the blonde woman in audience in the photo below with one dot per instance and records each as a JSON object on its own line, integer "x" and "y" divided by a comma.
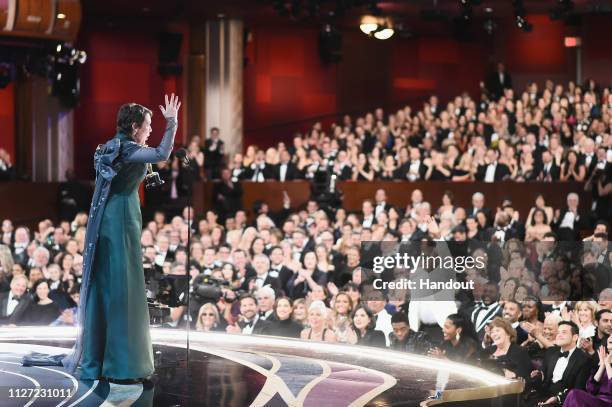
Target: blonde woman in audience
{"x": 208, "y": 318}
{"x": 584, "y": 316}
{"x": 318, "y": 315}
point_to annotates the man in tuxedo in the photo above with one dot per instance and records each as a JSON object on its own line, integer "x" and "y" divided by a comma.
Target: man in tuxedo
{"x": 549, "y": 170}
{"x": 263, "y": 277}
{"x": 20, "y": 245}
{"x": 265, "y": 303}
{"x": 568, "y": 222}
{"x": 589, "y": 157}
{"x": 492, "y": 170}
{"x": 367, "y": 209}
{"x": 250, "y": 323}
{"x": 213, "y": 153}
{"x": 499, "y": 81}
{"x": 565, "y": 367}
{"x": 286, "y": 170}
{"x": 478, "y": 202}
{"x": 486, "y": 309}
{"x": 415, "y": 169}
{"x": 381, "y": 202}
{"x": 260, "y": 171}
{"x": 342, "y": 166}
{"x": 239, "y": 172}
{"x": 277, "y": 270}
{"x": 512, "y": 312}
{"x": 14, "y": 302}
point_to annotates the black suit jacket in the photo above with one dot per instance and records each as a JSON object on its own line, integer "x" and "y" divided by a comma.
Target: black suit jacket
{"x": 346, "y": 173}
{"x": 18, "y": 312}
{"x": 372, "y": 338}
{"x": 574, "y": 377}
{"x": 501, "y": 172}
{"x": 291, "y": 173}
{"x": 553, "y": 174}
{"x": 262, "y": 327}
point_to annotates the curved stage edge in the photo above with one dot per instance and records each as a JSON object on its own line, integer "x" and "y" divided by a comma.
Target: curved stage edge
{"x": 239, "y": 370}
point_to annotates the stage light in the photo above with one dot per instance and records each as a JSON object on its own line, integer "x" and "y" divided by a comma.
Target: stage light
{"x": 384, "y": 33}
{"x": 368, "y": 24}
{"x": 520, "y": 14}
{"x": 523, "y": 24}
{"x": 61, "y": 16}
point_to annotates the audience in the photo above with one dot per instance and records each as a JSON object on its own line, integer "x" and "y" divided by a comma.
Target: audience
{"x": 539, "y": 310}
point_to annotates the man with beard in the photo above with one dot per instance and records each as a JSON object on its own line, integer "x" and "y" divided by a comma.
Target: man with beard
{"x": 486, "y": 309}
{"x": 406, "y": 340}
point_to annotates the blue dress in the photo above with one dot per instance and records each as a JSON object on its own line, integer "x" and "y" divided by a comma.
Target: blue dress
{"x": 114, "y": 340}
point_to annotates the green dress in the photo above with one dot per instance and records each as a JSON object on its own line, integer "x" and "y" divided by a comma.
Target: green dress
{"x": 116, "y": 338}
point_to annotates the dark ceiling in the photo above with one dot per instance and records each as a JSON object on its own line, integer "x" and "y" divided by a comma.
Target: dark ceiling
{"x": 264, "y": 10}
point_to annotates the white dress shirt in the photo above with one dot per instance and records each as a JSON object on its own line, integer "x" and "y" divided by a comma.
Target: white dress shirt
{"x": 560, "y": 366}
{"x": 12, "y": 304}
{"x": 490, "y": 174}
{"x": 383, "y": 323}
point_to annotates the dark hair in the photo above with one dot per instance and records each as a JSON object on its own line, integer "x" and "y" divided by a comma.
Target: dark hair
{"x": 539, "y": 210}
{"x": 129, "y": 114}
{"x": 276, "y": 305}
{"x": 247, "y": 296}
{"x": 599, "y": 313}
{"x": 368, "y": 311}
{"x": 399, "y": 317}
{"x": 467, "y": 329}
{"x": 35, "y": 287}
{"x": 575, "y": 329}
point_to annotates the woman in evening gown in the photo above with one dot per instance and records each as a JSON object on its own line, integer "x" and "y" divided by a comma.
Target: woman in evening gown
{"x": 114, "y": 341}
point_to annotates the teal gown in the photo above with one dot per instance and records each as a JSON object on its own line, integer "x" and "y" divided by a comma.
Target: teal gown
{"x": 116, "y": 340}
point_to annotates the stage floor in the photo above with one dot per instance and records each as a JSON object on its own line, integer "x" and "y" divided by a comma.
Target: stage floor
{"x": 239, "y": 370}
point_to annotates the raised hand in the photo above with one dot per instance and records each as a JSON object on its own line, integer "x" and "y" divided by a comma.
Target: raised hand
{"x": 172, "y": 107}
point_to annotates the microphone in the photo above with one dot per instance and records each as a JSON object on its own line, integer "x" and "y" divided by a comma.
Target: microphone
{"x": 181, "y": 154}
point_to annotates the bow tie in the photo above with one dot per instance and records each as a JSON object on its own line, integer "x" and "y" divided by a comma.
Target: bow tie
{"x": 262, "y": 314}
{"x": 563, "y": 354}
{"x": 248, "y": 324}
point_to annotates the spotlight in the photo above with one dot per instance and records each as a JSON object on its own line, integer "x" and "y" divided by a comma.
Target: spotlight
{"x": 368, "y": 24}
{"x": 523, "y": 24}
{"x": 383, "y": 33}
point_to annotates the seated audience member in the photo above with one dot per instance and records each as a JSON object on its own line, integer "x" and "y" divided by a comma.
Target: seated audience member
{"x": 459, "y": 342}
{"x": 406, "y": 340}
{"x": 283, "y": 324}
{"x": 541, "y": 338}
{"x": 208, "y": 318}
{"x": 565, "y": 367}
{"x": 13, "y": 303}
{"x": 507, "y": 355}
{"x": 317, "y": 319}
{"x": 249, "y": 321}
{"x": 340, "y": 320}
{"x": 598, "y": 391}
{"x": 42, "y": 310}
{"x": 363, "y": 323}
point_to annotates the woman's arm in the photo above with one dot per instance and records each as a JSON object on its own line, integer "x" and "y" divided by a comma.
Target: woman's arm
{"x": 159, "y": 153}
